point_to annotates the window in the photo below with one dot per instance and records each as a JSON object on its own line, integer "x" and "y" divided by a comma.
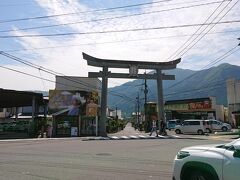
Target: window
{"x": 194, "y": 123}
{"x": 186, "y": 123}
{"x": 214, "y": 122}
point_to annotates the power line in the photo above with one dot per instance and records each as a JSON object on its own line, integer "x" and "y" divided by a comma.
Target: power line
{"x": 230, "y": 52}
{"x": 112, "y": 42}
{"x": 51, "y": 71}
{"x": 188, "y": 40}
{"x": 82, "y": 12}
{"x": 209, "y": 29}
{"x": 111, "y": 18}
{"x": 52, "y": 81}
{"x": 194, "y": 90}
{"x": 225, "y": 55}
{"x": 24, "y": 4}
{"x": 119, "y": 31}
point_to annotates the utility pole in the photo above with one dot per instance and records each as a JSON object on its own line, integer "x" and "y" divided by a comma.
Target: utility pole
{"x": 145, "y": 97}
{"x": 116, "y": 116}
{"x": 138, "y": 109}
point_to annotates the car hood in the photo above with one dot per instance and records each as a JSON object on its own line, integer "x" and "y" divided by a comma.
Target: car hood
{"x": 199, "y": 148}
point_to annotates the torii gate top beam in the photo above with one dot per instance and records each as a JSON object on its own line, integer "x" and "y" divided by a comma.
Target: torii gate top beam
{"x": 97, "y": 62}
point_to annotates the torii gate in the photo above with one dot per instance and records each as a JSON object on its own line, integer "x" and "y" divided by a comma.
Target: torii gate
{"x": 133, "y": 67}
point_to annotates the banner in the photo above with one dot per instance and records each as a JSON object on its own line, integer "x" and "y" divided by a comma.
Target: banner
{"x": 73, "y": 103}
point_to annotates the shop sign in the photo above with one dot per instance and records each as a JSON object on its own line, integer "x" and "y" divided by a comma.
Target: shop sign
{"x": 200, "y": 105}
{"x": 176, "y": 107}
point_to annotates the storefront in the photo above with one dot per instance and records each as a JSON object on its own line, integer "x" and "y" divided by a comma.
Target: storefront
{"x": 200, "y": 108}
{"x": 75, "y": 113}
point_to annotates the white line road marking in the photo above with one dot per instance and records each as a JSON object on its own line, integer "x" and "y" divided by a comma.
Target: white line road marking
{"x": 133, "y": 137}
{"x": 114, "y": 137}
{"x": 176, "y": 136}
{"x": 141, "y": 136}
{"x": 125, "y": 137}
{"x": 162, "y": 136}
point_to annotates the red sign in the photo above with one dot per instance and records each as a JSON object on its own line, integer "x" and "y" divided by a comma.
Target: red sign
{"x": 200, "y": 105}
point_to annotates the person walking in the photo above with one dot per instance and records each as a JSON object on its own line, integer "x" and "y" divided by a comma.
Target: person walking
{"x": 154, "y": 126}
{"x": 49, "y": 131}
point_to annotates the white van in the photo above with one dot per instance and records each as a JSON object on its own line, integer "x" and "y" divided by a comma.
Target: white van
{"x": 192, "y": 126}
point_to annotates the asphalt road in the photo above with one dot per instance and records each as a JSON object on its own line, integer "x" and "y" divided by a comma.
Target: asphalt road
{"x": 74, "y": 159}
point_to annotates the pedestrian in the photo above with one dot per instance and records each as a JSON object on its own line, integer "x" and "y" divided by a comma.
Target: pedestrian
{"x": 42, "y": 131}
{"x": 163, "y": 128}
{"x": 49, "y": 131}
{"x": 154, "y": 126}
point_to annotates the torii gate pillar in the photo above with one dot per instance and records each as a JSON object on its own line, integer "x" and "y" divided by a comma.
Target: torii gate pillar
{"x": 160, "y": 100}
{"x": 103, "y": 118}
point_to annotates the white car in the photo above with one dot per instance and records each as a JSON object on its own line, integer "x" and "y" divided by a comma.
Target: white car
{"x": 209, "y": 162}
{"x": 215, "y": 125}
{"x": 192, "y": 126}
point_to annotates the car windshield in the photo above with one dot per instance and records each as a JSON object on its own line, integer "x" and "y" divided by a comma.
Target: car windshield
{"x": 233, "y": 143}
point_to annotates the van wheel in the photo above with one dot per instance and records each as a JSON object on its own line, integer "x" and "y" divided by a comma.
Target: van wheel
{"x": 224, "y": 129}
{"x": 178, "y": 131}
{"x": 200, "y": 132}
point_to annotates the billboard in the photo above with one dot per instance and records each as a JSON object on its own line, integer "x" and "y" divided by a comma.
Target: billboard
{"x": 73, "y": 103}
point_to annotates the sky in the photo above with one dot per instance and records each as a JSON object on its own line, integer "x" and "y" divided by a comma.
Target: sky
{"x": 64, "y": 53}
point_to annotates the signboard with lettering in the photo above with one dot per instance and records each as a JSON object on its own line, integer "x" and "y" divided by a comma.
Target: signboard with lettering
{"x": 176, "y": 107}
{"x": 200, "y": 105}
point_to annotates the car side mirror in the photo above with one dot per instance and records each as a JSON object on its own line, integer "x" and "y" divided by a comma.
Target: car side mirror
{"x": 236, "y": 153}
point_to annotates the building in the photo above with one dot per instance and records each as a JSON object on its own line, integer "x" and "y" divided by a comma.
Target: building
{"x": 199, "y": 108}
{"x": 233, "y": 98}
{"x": 74, "y": 104}
{"x": 72, "y": 83}
{"x": 114, "y": 113}
{"x": 12, "y": 105}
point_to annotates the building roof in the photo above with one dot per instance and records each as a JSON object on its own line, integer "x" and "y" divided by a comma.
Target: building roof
{"x": 183, "y": 101}
{"x": 13, "y": 98}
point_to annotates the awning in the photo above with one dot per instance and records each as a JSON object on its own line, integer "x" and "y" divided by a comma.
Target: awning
{"x": 12, "y": 98}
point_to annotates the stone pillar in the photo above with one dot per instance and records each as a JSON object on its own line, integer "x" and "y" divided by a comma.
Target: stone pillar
{"x": 103, "y": 119}
{"x": 160, "y": 101}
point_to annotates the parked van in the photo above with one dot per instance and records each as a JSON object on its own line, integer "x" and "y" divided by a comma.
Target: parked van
{"x": 192, "y": 126}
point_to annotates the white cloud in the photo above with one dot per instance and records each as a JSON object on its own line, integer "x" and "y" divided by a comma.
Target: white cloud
{"x": 68, "y": 60}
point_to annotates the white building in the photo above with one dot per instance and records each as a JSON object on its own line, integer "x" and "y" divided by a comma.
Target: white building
{"x": 119, "y": 113}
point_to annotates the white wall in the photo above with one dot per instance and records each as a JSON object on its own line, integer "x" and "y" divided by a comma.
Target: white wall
{"x": 119, "y": 113}
{"x": 220, "y": 112}
{"x": 77, "y": 83}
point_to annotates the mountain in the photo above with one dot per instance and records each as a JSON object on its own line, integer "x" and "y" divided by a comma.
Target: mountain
{"x": 188, "y": 84}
